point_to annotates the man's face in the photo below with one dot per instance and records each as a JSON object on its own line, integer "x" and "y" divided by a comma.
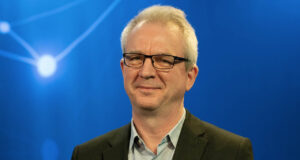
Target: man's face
{"x": 147, "y": 87}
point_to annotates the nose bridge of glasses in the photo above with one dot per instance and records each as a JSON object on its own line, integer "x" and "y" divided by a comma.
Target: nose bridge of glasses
{"x": 150, "y": 58}
{"x": 147, "y": 70}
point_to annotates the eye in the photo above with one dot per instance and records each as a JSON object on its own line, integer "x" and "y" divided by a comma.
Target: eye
{"x": 164, "y": 60}
{"x": 167, "y": 61}
{"x": 134, "y": 57}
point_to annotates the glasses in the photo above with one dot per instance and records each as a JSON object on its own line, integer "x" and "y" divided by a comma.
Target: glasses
{"x": 159, "y": 62}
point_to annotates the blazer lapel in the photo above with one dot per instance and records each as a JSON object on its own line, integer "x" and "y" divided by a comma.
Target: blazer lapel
{"x": 115, "y": 153}
{"x": 192, "y": 141}
{"x": 118, "y": 145}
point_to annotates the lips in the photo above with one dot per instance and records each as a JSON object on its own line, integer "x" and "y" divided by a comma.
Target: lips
{"x": 147, "y": 87}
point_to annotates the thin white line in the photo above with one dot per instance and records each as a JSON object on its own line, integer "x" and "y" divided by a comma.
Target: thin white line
{"x": 48, "y": 13}
{"x": 67, "y": 50}
{"x": 14, "y": 56}
{"x": 33, "y": 53}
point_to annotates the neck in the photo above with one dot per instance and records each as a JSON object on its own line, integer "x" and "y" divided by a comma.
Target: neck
{"x": 153, "y": 125}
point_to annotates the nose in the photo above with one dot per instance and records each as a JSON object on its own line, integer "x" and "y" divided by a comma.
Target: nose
{"x": 147, "y": 71}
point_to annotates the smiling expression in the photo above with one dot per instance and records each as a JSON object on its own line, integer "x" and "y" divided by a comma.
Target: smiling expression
{"x": 147, "y": 87}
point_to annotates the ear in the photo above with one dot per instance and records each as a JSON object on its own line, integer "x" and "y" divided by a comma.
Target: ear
{"x": 122, "y": 65}
{"x": 191, "y": 77}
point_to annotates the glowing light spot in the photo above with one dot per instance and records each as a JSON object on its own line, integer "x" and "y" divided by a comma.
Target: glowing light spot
{"x": 4, "y": 27}
{"x": 46, "y": 65}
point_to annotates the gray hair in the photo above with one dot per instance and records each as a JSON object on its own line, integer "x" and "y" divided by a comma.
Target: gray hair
{"x": 166, "y": 14}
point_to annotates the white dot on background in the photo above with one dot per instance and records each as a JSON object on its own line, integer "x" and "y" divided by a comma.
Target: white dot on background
{"x": 46, "y": 65}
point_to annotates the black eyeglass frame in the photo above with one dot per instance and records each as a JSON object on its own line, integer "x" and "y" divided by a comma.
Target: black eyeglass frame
{"x": 176, "y": 60}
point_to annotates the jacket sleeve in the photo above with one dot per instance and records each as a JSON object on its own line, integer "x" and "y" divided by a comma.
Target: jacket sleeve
{"x": 245, "y": 150}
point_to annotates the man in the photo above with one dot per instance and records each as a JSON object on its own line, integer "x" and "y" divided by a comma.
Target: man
{"x": 159, "y": 66}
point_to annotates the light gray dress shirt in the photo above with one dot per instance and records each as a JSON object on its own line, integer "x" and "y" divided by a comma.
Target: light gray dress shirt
{"x": 165, "y": 150}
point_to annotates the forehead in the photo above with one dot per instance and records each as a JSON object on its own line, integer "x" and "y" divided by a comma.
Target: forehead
{"x": 155, "y": 38}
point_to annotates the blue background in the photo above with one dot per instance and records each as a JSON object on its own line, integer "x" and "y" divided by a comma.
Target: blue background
{"x": 248, "y": 83}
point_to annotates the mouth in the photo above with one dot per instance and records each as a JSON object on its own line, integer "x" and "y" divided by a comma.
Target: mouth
{"x": 147, "y": 88}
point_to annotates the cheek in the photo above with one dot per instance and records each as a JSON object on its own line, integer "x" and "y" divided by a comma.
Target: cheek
{"x": 177, "y": 80}
{"x": 129, "y": 76}
{"x": 169, "y": 81}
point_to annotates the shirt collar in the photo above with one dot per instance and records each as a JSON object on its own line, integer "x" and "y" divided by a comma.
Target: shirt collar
{"x": 134, "y": 135}
{"x": 173, "y": 134}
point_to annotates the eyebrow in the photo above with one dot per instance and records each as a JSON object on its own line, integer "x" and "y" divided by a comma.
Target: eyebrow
{"x": 139, "y": 52}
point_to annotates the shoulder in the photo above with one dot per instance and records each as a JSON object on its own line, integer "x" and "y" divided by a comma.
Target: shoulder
{"x": 220, "y": 135}
{"x": 223, "y": 142}
{"x": 103, "y": 140}
{"x": 96, "y": 146}
{"x": 227, "y": 143}
{"x": 211, "y": 131}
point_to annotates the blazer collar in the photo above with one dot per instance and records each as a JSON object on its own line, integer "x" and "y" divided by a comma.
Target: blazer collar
{"x": 192, "y": 141}
{"x": 119, "y": 144}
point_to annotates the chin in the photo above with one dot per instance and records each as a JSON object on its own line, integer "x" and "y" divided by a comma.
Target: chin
{"x": 147, "y": 106}
{"x": 145, "y": 101}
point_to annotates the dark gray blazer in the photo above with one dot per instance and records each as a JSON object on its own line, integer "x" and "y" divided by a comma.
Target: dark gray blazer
{"x": 198, "y": 140}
